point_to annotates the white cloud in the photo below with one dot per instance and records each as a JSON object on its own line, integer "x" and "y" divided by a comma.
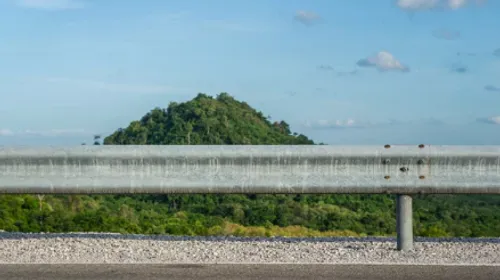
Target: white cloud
{"x": 491, "y": 120}
{"x": 383, "y": 61}
{"x": 6, "y": 132}
{"x": 306, "y": 18}
{"x": 455, "y": 4}
{"x": 419, "y": 5}
{"x": 329, "y": 124}
{"x": 51, "y": 4}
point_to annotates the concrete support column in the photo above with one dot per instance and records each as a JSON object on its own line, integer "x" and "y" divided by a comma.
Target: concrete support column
{"x": 404, "y": 222}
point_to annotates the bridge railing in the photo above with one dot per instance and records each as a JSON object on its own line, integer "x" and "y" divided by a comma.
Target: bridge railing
{"x": 391, "y": 169}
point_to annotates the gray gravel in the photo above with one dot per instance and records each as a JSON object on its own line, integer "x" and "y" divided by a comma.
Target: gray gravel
{"x": 111, "y": 248}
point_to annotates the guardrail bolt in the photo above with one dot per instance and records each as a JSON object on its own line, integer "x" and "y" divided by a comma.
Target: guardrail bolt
{"x": 387, "y": 177}
{"x": 421, "y": 177}
{"x": 421, "y": 146}
{"x": 387, "y": 146}
{"x": 420, "y": 162}
{"x": 404, "y": 169}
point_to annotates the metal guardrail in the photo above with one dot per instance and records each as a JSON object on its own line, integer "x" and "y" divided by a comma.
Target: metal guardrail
{"x": 402, "y": 170}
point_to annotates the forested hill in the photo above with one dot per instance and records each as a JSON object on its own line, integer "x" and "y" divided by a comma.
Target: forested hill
{"x": 206, "y": 120}
{"x": 224, "y": 120}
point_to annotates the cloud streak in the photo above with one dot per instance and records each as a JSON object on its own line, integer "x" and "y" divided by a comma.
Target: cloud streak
{"x": 351, "y": 123}
{"x": 52, "y": 5}
{"x": 329, "y": 68}
{"x": 326, "y": 67}
{"x": 446, "y": 34}
{"x": 492, "y": 88}
{"x": 491, "y": 120}
{"x": 347, "y": 73}
{"x": 45, "y": 133}
{"x": 466, "y": 54}
{"x": 425, "y": 5}
{"x": 306, "y": 18}
{"x": 113, "y": 87}
{"x": 383, "y": 61}
{"x": 6, "y": 132}
{"x": 334, "y": 124}
{"x": 424, "y": 121}
{"x": 458, "y": 68}
{"x": 416, "y": 5}
{"x": 55, "y": 132}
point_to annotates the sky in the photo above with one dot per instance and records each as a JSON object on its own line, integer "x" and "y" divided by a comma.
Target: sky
{"x": 341, "y": 72}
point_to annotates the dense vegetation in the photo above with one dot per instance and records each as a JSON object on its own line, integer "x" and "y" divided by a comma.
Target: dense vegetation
{"x": 205, "y": 120}
{"x": 224, "y": 120}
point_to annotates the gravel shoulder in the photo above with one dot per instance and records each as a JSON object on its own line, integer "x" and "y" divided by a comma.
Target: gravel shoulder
{"x": 121, "y": 249}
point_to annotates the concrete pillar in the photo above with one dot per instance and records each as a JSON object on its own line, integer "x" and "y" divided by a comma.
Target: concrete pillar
{"x": 404, "y": 222}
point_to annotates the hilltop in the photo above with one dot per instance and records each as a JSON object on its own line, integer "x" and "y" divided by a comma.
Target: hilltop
{"x": 209, "y": 121}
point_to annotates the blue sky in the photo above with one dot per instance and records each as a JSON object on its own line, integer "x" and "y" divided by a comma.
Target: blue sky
{"x": 341, "y": 72}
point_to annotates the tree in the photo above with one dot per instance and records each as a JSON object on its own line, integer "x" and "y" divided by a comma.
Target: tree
{"x": 97, "y": 139}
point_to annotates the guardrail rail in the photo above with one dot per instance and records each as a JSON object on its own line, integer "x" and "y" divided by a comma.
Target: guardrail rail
{"x": 391, "y": 169}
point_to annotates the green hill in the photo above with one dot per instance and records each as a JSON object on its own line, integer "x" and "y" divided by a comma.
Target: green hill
{"x": 209, "y": 121}
{"x": 224, "y": 120}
